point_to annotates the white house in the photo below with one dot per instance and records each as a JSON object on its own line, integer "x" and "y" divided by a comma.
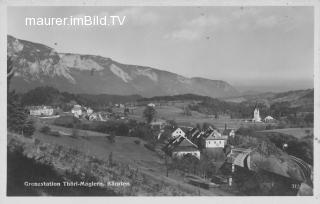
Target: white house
{"x": 268, "y": 119}
{"x": 76, "y": 111}
{"x": 152, "y": 105}
{"x": 41, "y": 110}
{"x": 184, "y": 148}
{"x": 212, "y": 142}
{"x": 89, "y": 111}
{"x": 177, "y": 133}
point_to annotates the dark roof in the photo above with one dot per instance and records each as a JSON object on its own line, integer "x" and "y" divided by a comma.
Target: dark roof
{"x": 186, "y": 143}
{"x": 192, "y": 133}
{"x": 189, "y": 148}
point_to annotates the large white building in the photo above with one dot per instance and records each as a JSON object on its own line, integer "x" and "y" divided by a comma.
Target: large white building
{"x": 41, "y": 110}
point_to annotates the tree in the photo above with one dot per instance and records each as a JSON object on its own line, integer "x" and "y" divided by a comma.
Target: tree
{"x": 126, "y": 111}
{"x": 112, "y": 137}
{"x": 149, "y": 113}
{"x": 172, "y": 124}
{"x": 17, "y": 115}
{"x": 309, "y": 118}
{"x": 28, "y": 128}
{"x": 187, "y": 111}
{"x": 110, "y": 160}
{"x": 10, "y": 71}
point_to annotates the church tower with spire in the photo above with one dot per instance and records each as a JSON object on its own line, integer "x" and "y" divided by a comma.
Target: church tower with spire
{"x": 256, "y": 114}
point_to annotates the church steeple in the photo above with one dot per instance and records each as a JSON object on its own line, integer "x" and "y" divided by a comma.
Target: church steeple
{"x": 256, "y": 114}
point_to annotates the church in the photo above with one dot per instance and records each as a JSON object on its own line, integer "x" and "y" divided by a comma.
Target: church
{"x": 256, "y": 116}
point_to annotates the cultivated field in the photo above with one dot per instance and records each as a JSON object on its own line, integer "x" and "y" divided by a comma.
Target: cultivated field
{"x": 296, "y": 132}
{"x": 124, "y": 149}
{"x": 175, "y": 112}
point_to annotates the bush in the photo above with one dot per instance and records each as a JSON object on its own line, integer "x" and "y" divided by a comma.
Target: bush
{"x": 67, "y": 121}
{"x": 54, "y": 133}
{"x": 112, "y": 137}
{"x": 45, "y": 129}
{"x": 150, "y": 146}
{"x": 137, "y": 142}
{"x": 75, "y": 133}
{"x": 28, "y": 128}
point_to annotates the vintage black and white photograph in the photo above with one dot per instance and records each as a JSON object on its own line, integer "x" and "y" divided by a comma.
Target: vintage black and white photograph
{"x": 194, "y": 100}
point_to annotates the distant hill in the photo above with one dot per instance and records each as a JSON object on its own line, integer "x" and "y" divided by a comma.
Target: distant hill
{"x": 51, "y": 96}
{"x": 303, "y": 99}
{"x": 182, "y": 97}
{"x": 39, "y": 65}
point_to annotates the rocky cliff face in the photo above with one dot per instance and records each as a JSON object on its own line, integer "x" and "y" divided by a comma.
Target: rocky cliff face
{"x": 39, "y": 65}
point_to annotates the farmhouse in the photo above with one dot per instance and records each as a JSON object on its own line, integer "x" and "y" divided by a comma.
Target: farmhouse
{"x": 41, "y": 110}
{"x": 213, "y": 139}
{"x": 269, "y": 119}
{"x": 177, "y": 133}
{"x": 184, "y": 148}
{"x": 88, "y": 110}
{"x": 152, "y": 105}
{"x": 214, "y": 142}
{"x": 76, "y": 111}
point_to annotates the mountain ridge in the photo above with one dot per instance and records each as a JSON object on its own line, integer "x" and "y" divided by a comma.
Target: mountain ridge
{"x": 40, "y": 65}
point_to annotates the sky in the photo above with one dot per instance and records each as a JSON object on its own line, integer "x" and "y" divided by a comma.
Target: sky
{"x": 252, "y": 48}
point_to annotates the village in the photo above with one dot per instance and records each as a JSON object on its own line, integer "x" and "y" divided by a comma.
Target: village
{"x": 182, "y": 142}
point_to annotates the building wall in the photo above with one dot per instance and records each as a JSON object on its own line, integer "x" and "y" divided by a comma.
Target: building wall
{"x": 42, "y": 111}
{"x": 76, "y": 113}
{"x": 180, "y": 154}
{"x": 215, "y": 143}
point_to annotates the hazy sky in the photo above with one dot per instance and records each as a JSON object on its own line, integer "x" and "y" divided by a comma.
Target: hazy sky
{"x": 253, "y": 48}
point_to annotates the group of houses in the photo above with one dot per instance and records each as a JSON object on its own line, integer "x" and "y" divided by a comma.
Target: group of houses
{"x": 193, "y": 140}
{"x": 79, "y": 111}
{"x": 257, "y": 118}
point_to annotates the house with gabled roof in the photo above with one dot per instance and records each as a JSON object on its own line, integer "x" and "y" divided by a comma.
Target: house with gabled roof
{"x": 215, "y": 142}
{"x": 177, "y": 133}
{"x": 185, "y": 147}
{"x": 212, "y": 138}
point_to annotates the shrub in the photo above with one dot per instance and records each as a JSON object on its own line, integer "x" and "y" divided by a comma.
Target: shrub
{"x": 150, "y": 146}
{"x": 75, "y": 133}
{"x": 67, "y": 121}
{"x": 54, "y": 133}
{"x": 137, "y": 142}
{"x": 112, "y": 137}
{"x": 45, "y": 129}
{"x": 28, "y": 128}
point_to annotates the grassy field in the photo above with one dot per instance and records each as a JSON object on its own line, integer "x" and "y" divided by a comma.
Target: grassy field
{"x": 175, "y": 112}
{"x": 296, "y": 132}
{"x": 124, "y": 149}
